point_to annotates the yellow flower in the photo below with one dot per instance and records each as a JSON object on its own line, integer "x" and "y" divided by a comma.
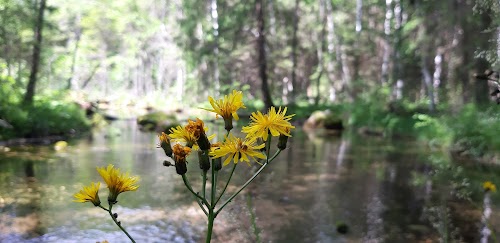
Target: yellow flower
{"x": 117, "y": 182}
{"x": 489, "y": 186}
{"x": 227, "y": 107}
{"x": 89, "y": 194}
{"x": 276, "y": 123}
{"x": 237, "y": 149}
{"x": 190, "y": 134}
{"x": 181, "y": 134}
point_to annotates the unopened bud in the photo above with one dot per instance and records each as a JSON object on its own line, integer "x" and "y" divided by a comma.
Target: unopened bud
{"x": 167, "y": 163}
{"x": 228, "y": 123}
{"x": 217, "y": 164}
{"x": 165, "y": 144}
{"x": 181, "y": 167}
{"x": 204, "y": 160}
{"x": 283, "y": 139}
{"x": 203, "y": 142}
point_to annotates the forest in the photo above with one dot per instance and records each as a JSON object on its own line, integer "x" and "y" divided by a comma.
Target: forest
{"x": 388, "y": 71}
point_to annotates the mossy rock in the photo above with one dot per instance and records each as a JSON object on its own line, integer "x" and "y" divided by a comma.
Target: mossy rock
{"x": 324, "y": 119}
{"x": 157, "y": 121}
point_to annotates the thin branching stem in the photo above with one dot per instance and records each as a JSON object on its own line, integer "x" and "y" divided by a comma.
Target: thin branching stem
{"x": 248, "y": 182}
{"x": 227, "y": 183}
{"x": 118, "y": 223}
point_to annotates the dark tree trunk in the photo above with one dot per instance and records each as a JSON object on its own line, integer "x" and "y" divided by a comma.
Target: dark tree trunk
{"x": 30, "y": 89}
{"x": 261, "y": 49}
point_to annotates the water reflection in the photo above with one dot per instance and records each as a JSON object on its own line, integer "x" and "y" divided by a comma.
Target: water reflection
{"x": 315, "y": 185}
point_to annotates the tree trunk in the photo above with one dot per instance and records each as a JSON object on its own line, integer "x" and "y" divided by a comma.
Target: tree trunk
{"x": 321, "y": 49}
{"x": 438, "y": 68}
{"x": 215, "y": 30}
{"x": 294, "y": 52}
{"x": 428, "y": 83}
{"x": 330, "y": 38}
{"x": 387, "y": 51}
{"x": 397, "y": 71}
{"x": 72, "y": 79}
{"x": 30, "y": 89}
{"x": 261, "y": 49}
{"x": 357, "y": 51}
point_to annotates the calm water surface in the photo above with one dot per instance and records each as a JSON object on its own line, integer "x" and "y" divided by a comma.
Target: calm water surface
{"x": 384, "y": 191}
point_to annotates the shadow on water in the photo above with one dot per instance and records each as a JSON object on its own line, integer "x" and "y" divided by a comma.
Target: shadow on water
{"x": 377, "y": 190}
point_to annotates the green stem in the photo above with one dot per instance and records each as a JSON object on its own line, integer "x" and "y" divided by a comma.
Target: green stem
{"x": 248, "y": 182}
{"x": 214, "y": 186}
{"x": 204, "y": 186}
{"x": 268, "y": 145}
{"x": 203, "y": 200}
{"x": 225, "y": 187}
{"x": 211, "y": 218}
{"x": 117, "y": 222}
{"x": 256, "y": 230}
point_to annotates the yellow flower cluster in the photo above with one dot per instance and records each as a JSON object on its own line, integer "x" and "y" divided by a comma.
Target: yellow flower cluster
{"x": 274, "y": 123}
{"x": 117, "y": 183}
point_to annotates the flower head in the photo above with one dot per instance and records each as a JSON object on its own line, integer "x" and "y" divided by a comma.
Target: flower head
{"x": 197, "y": 128}
{"x": 89, "y": 194}
{"x": 489, "y": 186}
{"x": 191, "y": 134}
{"x": 227, "y": 107}
{"x": 237, "y": 150}
{"x": 181, "y": 134}
{"x": 180, "y": 154}
{"x": 117, "y": 182}
{"x": 275, "y": 123}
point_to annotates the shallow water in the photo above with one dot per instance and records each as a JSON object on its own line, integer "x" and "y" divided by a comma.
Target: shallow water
{"x": 384, "y": 191}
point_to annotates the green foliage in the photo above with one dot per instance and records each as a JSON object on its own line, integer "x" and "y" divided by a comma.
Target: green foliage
{"x": 475, "y": 131}
{"x": 49, "y": 115}
{"x": 433, "y": 129}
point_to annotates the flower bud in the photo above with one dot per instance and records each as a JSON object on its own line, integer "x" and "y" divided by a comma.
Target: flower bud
{"x": 283, "y": 139}
{"x": 181, "y": 167}
{"x": 165, "y": 144}
{"x": 181, "y": 152}
{"x": 217, "y": 164}
{"x": 228, "y": 123}
{"x": 203, "y": 142}
{"x": 204, "y": 160}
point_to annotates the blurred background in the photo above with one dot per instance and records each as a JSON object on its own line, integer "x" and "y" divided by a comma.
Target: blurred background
{"x": 395, "y": 101}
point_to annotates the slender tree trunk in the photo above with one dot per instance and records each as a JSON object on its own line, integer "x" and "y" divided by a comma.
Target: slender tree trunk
{"x": 331, "y": 47}
{"x": 397, "y": 71}
{"x": 261, "y": 49}
{"x": 30, "y": 90}
{"x": 387, "y": 49}
{"x": 321, "y": 49}
{"x": 72, "y": 79}
{"x": 436, "y": 77}
{"x": 272, "y": 18}
{"x": 428, "y": 83}
{"x": 357, "y": 51}
{"x": 294, "y": 52}
{"x": 215, "y": 30}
